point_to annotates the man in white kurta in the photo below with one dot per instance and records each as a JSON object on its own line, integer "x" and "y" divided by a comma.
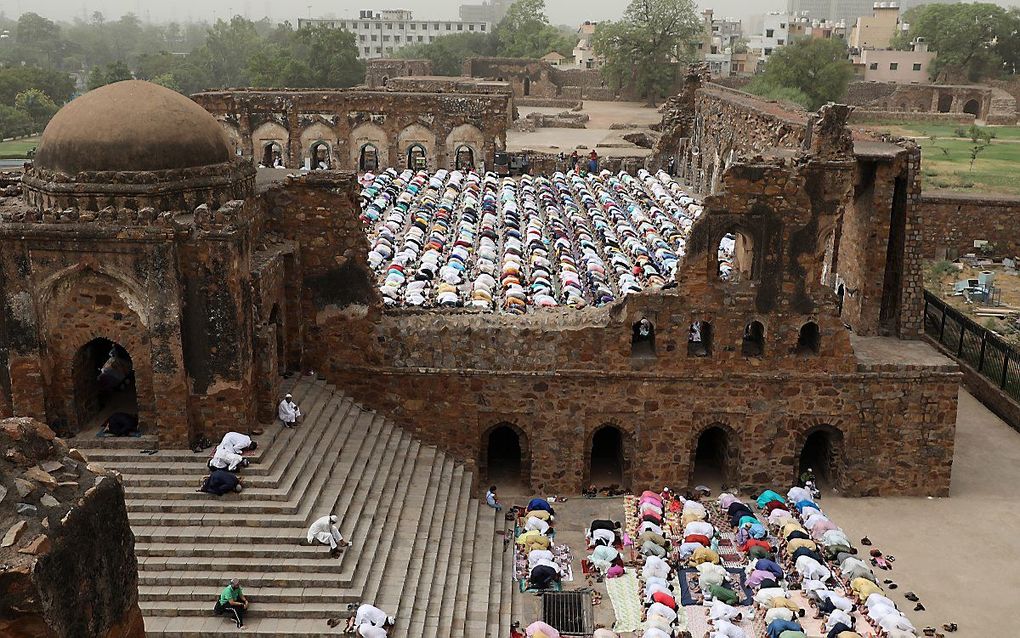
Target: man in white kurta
{"x": 325, "y": 531}
{"x": 289, "y": 412}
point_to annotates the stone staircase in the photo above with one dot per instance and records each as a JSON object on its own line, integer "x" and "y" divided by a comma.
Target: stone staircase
{"x": 422, "y": 547}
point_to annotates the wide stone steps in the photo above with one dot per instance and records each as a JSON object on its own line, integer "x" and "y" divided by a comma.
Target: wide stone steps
{"x": 421, "y": 548}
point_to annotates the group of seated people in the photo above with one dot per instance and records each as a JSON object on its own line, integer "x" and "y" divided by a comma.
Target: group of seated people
{"x": 536, "y": 542}
{"x": 225, "y": 463}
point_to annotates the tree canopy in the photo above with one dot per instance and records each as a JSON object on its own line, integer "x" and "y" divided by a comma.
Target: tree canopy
{"x": 645, "y": 46}
{"x": 525, "y": 32}
{"x": 973, "y": 41}
{"x": 810, "y": 72}
{"x": 448, "y": 53}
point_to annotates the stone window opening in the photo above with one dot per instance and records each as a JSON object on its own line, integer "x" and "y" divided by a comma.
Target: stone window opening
{"x": 642, "y": 342}
{"x": 272, "y": 155}
{"x": 607, "y": 457}
{"x": 385, "y": 79}
{"x": 945, "y": 102}
{"x": 104, "y": 384}
{"x": 527, "y": 86}
{"x": 464, "y": 158}
{"x": 368, "y": 158}
{"x": 753, "y": 344}
{"x": 319, "y": 154}
{"x": 809, "y": 340}
{"x": 417, "y": 157}
{"x": 735, "y": 257}
{"x": 699, "y": 339}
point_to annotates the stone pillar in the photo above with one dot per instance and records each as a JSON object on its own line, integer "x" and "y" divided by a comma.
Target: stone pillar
{"x": 295, "y": 152}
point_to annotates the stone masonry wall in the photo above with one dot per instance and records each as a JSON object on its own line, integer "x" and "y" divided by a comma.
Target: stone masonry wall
{"x": 67, "y": 548}
{"x": 953, "y": 221}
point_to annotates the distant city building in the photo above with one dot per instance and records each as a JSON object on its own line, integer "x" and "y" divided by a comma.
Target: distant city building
{"x": 555, "y": 58}
{"x": 900, "y": 67}
{"x": 719, "y": 37}
{"x": 491, "y": 11}
{"x": 584, "y": 52}
{"x": 380, "y": 34}
{"x": 847, "y": 10}
{"x": 777, "y": 31}
{"x": 877, "y": 30}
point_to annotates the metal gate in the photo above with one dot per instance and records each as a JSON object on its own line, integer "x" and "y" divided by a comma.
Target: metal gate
{"x": 570, "y": 612}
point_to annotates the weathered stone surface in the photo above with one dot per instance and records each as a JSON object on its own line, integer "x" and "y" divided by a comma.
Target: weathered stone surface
{"x": 41, "y": 476}
{"x": 23, "y": 487}
{"x": 78, "y": 577}
{"x": 11, "y": 537}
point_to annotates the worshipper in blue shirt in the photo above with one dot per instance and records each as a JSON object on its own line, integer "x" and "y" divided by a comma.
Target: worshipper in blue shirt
{"x": 802, "y": 504}
{"x": 540, "y": 504}
{"x": 778, "y": 626}
{"x": 768, "y": 496}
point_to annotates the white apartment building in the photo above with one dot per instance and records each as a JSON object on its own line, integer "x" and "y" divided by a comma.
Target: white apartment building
{"x": 379, "y": 34}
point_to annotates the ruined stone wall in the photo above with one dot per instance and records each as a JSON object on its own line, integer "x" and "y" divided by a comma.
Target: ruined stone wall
{"x": 67, "y": 548}
{"x": 341, "y": 123}
{"x": 556, "y": 377}
{"x": 921, "y": 98}
{"x": 379, "y": 71}
{"x": 527, "y": 77}
{"x": 953, "y": 221}
{"x": 862, "y": 116}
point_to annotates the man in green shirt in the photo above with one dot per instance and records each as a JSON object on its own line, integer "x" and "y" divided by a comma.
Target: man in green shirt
{"x": 232, "y": 603}
{"x": 724, "y": 594}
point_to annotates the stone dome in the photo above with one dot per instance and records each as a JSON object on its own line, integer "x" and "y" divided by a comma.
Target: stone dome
{"x": 131, "y": 126}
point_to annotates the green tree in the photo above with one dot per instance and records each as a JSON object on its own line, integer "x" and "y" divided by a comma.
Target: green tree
{"x": 525, "y": 32}
{"x": 308, "y": 57}
{"x": 38, "y": 40}
{"x": 449, "y": 52}
{"x": 108, "y": 74}
{"x": 57, "y": 85}
{"x": 14, "y": 122}
{"x": 167, "y": 80}
{"x": 973, "y": 41}
{"x": 645, "y": 46}
{"x": 819, "y": 69}
{"x": 37, "y": 106}
{"x": 228, "y": 50}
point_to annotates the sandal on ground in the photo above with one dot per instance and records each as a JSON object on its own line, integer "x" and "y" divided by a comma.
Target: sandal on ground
{"x": 866, "y": 541}
{"x": 919, "y": 607}
{"x": 950, "y": 626}
{"x": 911, "y": 596}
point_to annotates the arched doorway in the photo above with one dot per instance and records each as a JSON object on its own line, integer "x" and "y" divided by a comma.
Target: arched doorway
{"x": 527, "y": 86}
{"x": 368, "y": 158}
{"x": 945, "y": 102}
{"x": 464, "y": 159}
{"x": 272, "y": 155}
{"x": 711, "y": 460}
{"x": 821, "y": 453}
{"x": 753, "y": 343}
{"x": 104, "y": 383}
{"x": 417, "y": 157}
{"x": 699, "y": 339}
{"x": 505, "y": 451}
{"x": 973, "y": 107}
{"x": 735, "y": 257}
{"x": 320, "y": 158}
{"x": 606, "y": 467}
{"x": 642, "y": 340}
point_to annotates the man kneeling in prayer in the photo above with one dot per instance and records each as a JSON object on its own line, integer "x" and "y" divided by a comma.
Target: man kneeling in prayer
{"x": 325, "y": 531}
{"x": 544, "y": 574}
{"x": 369, "y": 618}
{"x": 219, "y": 482}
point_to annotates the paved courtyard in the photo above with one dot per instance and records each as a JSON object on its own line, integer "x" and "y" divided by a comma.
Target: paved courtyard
{"x": 957, "y": 554}
{"x": 596, "y": 134}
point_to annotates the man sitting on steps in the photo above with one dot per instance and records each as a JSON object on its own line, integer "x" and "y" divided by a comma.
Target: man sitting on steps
{"x": 289, "y": 412}
{"x": 324, "y": 531}
{"x": 232, "y": 603}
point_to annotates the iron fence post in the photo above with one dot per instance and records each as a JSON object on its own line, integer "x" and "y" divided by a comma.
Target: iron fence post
{"x": 981, "y": 357}
{"x": 963, "y": 333}
{"x": 1005, "y": 368}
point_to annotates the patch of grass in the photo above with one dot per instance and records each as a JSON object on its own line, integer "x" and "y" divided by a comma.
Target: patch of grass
{"x": 18, "y": 149}
{"x": 946, "y": 163}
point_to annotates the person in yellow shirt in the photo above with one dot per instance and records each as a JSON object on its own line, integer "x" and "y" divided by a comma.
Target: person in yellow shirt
{"x": 532, "y": 540}
{"x": 862, "y": 588}
{"x": 704, "y": 555}
{"x": 797, "y": 543}
{"x": 787, "y": 603}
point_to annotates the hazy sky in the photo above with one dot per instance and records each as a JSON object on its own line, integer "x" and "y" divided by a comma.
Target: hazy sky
{"x": 560, "y": 11}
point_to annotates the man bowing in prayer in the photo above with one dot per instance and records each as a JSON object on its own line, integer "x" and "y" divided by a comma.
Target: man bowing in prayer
{"x": 289, "y": 412}
{"x": 325, "y": 531}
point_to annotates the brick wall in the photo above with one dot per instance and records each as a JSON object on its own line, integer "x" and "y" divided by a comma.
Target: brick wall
{"x": 862, "y": 116}
{"x": 952, "y": 221}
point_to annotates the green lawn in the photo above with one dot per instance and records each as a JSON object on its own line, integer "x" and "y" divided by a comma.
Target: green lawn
{"x": 18, "y": 149}
{"x": 945, "y": 156}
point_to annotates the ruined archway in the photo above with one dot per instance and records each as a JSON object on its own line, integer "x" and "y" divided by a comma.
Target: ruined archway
{"x": 753, "y": 342}
{"x": 822, "y": 452}
{"x": 368, "y": 158}
{"x": 465, "y": 158}
{"x": 608, "y": 457}
{"x": 506, "y": 457}
{"x": 103, "y": 377}
{"x": 373, "y": 138}
{"x": 418, "y": 145}
{"x": 699, "y": 339}
{"x": 270, "y": 135}
{"x": 973, "y": 107}
{"x": 272, "y": 156}
{"x": 417, "y": 157}
{"x": 713, "y": 457}
{"x": 809, "y": 339}
{"x": 945, "y": 102}
{"x": 527, "y": 87}
{"x": 320, "y": 156}
{"x": 465, "y": 135}
{"x": 642, "y": 339}
{"x": 735, "y": 256}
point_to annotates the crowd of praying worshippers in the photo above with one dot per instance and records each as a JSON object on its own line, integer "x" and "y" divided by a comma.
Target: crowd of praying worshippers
{"x": 454, "y": 239}
{"x": 541, "y": 629}
{"x": 534, "y": 535}
{"x": 775, "y": 567}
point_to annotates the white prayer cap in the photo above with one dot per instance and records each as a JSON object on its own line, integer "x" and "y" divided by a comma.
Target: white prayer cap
{"x": 390, "y": 620}
{"x": 332, "y": 518}
{"x": 288, "y": 396}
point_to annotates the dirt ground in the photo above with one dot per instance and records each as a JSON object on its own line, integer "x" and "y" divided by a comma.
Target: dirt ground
{"x": 597, "y": 134}
{"x": 957, "y": 554}
{"x": 1006, "y": 281}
